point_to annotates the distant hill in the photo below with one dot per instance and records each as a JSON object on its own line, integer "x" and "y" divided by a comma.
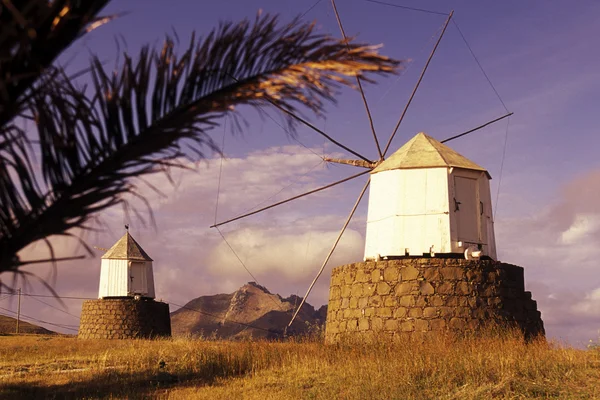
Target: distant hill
{"x": 266, "y": 314}
{"x": 8, "y": 324}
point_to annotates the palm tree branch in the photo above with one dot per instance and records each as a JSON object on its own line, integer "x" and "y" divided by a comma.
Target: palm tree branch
{"x": 134, "y": 121}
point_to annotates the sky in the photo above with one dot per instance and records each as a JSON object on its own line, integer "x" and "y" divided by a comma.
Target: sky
{"x": 543, "y": 61}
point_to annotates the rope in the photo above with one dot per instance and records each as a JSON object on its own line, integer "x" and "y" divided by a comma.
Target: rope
{"x": 311, "y": 7}
{"x": 501, "y": 168}
{"x": 407, "y": 8}
{"x": 480, "y": 66}
{"x": 220, "y": 170}
{"x": 244, "y": 265}
{"x": 292, "y": 136}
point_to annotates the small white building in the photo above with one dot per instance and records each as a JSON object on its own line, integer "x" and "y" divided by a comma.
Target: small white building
{"x": 428, "y": 199}
{"x": 126, "y": 271}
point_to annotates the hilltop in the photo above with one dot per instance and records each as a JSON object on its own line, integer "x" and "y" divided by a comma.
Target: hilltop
{"x": 8, "y": 324}
{"x": 250, "y": 311}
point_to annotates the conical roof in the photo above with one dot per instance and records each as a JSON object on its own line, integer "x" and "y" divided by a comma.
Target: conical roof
{"x": 423, "y": 151}
{"x": 127, "y": 248}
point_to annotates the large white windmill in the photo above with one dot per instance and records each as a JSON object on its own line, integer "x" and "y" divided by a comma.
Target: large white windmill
{"x": 425, "y": 199}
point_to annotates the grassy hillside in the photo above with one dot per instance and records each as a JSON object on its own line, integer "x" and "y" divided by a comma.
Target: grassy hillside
{"x": 449, "y": 368}
{"x": 8, "y": 325}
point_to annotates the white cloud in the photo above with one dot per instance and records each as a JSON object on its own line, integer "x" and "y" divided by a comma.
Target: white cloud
{"x": 283, "y": 247}
{"x": 584, "y": 225}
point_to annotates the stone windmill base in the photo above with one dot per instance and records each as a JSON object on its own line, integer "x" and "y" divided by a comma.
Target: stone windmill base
{"x": 428, "y": 296}
{"x": 124, "y": 318}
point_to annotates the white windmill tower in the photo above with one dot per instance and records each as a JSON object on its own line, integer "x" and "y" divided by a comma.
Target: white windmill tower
{"x": 425, "y": 199}
{"x": 428, "y": 199}
{"x": 126, "y": 270}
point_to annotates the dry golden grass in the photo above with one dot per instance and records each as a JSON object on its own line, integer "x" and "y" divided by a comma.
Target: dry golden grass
{"x": 494, "y": 366}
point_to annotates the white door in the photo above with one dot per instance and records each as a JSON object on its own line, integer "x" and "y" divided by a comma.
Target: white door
{"x": 137, "y": 278}
{"x": 466, "y": 209}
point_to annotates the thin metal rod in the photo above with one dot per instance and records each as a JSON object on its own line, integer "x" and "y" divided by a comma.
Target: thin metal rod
{"x": 360, "y": 88}
{"x": 362, "y": 193}
{"x": 291, "y": 198}
{"x": 412, "y": 95}
{"x": 477, "y": 128}
{"x": 332, "y": 140}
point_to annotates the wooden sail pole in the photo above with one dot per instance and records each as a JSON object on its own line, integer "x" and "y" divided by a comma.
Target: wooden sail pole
{"x": 412, "y": 95}
{"x": 330, "y": 252}
{"x": 291, "y": 198}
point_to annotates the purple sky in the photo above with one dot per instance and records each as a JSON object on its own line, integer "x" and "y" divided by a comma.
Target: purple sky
{"x": 540, "y": 56}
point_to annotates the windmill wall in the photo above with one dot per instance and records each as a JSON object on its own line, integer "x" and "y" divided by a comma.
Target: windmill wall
{"x": 425, "y": 296}
{"x": 124, "y": 318}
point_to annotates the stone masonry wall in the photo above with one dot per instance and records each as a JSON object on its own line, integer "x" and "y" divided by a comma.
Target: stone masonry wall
{"x": 124, "y": 318}
{"x": 428, "y": 295}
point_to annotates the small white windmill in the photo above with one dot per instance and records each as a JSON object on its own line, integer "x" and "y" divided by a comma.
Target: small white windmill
{"x": 126, "y": 270}
{"x": 425, "y": 199}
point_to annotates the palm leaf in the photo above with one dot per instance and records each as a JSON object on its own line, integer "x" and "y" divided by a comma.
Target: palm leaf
{"x": 33, "y": 33}
{"x": 157, "y": 110}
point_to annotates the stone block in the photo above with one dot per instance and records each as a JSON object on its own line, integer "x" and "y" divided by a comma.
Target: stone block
{"x": 431, "y": 274}
{"x": 445, "y": 288}
{"x": 362, "y": 302}
{"x": 452, "y": 273}
{"x": 446, "y": 312}
{"x": 363, "y": 324}
{"x": 369, "y": 312}
{"x": 349, "y": 277}
{"x": 390, "y": 301}
{"x": 407, "y": 301}
{"x": 400, "y": 312}
{"x": 383, "y": 288}
{"x": 475, "y": 276}
{"x": 430, "y": 312}
{"x": 391, "y": 274}
{"x": 346, "y": 291}
{"x": 377, "y": 324}
{"x": 437, "y": 324}
{"x": 352, "y": 325}
{"x": 369, "y": 289}
{"x": 437, "y": 301}
{"x": 422, "y": 301}
{"x": 426, "y": 288}
{"x": 403, "y": 288}
{"x": 390, "y": 325}
{"x": 415, "y": 312}
{"x": 409, "y": 273}
{"x": 421, "y": 325}
{"x": 356, "y": 291}
{"x": 464, "y": 288}
{"x": 375, "y": 301}
{"x": 376, "y": 275}
{"x": 362, "y": 276}
{"x": 385, "y": 312}
{"x": 407, "y": 326}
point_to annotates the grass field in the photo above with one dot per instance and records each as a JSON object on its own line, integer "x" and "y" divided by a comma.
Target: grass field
{"x": 496, "y": 366}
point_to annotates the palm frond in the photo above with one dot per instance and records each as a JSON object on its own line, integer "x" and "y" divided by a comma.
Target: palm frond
{"x": 157, "y": 110}
{"x": 33, "y": 33}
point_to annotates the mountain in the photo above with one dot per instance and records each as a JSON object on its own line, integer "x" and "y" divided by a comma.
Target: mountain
{"x": 8, "y": 325}
{"x": 250, "y": 311}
